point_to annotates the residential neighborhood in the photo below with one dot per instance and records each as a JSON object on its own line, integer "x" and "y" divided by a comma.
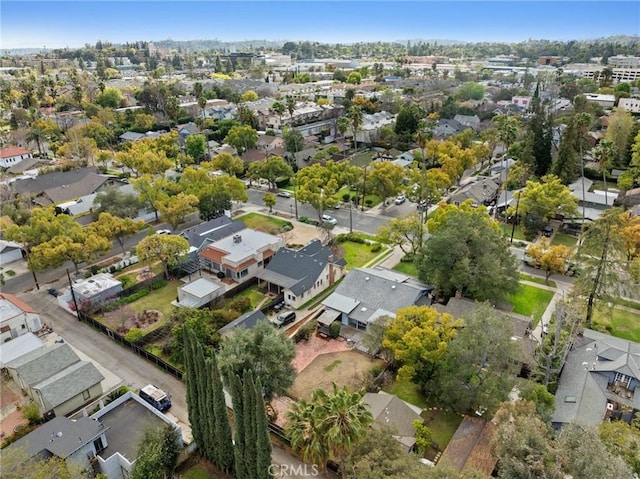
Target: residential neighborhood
{"x": 289, "y": 259}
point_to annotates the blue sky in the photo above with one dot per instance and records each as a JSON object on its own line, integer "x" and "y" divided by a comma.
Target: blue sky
{"x": 54, "y": 24}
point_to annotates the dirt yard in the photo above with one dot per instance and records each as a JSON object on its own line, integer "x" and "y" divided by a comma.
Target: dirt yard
{"x": 345, "y": 368}
{"x": 301, "y": 234}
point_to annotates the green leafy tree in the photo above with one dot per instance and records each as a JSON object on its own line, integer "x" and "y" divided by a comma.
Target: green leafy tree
{"x": 196, "y": 146}
{"x": 158, "y": 452}
{"x": 270, "y": 201}
{"x": 164, "y": 248}
{"x": 231, "y": 165}
{"x": 605, "y": 154}
{"x": 77, "y": 245}
{"x": 467, "y": 252}
{"x": 356, "y": 117}
{"x": 174, "y": 209}
{"x": 279, "y": 108}
{"x": 264, "y": 350}
{"x": 214, "y": 203}
{"x": 271, "y": 169}
{"x": 508, "y": 128}
{"x": 471, "y": 91}
{"x": 16, "y": 464}
{"x": 385, "y": 179}
{"x": 404, "y": 233}
{"x": 242, "y": 138}
{"x": 623, "y": 439}
{"x": 480, "y": 364}
{"x": 418, "y": 340}
{"x": 114, "y": 227}
{"x": 249, "y": 95}
{"x": 317, "y": 185}
{"x": 110, "y": 98}
{"x": 601, "y": 255}
{"x": 354, "y": 78}
{"x": 552, "y": 259}
{"x": 620, "y": 132}
{"x": 151, "y": 190}
{"x": 293, "y": 139}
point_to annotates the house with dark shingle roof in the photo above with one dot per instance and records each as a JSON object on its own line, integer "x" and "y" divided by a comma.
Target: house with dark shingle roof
{"x": 482, "y": 192}
{"x": 367, "y": 294}
{"x": 302, "y": 274}
{"x": 56, "y": 379}
{"x": 600, "y": 380}
{"x": 199, "y": 236}
{"x": 106, "y": 442}
{"x": 247, "y": 320}
{"x": 389, "y": 410}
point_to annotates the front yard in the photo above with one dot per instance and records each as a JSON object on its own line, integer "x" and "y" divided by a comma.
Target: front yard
{"x": 565, "y": 240}
{"x": 530, "y": 301}
{"x": 265, "y": 223}
{"x": 407, "y": 267}
{"x": 618, "y": 322}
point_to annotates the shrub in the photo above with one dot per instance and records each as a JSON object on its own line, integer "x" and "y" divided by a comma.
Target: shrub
{"x": 134, "y": 297}
{"x": 354, "y": 238}
{"x": 334, "y": 329}
{"x": 287, "y": 227}
{"x": 375, "y": 371}
{"x": 115, "y": 394}
{"x": 127, "y": 281}
{"x": 242, "y": 304}
{"x": 375, "y": 247}
{"x": 160, "y": 284}
{"x": 346, "y": 197}
{"x": 133, "y": 335}
{"x": 31, "y": 413}
{"x": 303, "y": 219}
{"x": 94, "y": 269}
{"x": 368, "y": 202}
{"x": 306, "y": 331}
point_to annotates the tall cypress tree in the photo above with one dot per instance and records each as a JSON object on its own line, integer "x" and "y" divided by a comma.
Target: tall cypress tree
{"x": 235, "y": 385}
{"x": 249, "y": 407}
{"x": 203, "y": 390}
{"x": 192, "y": 386}
{"x": 222, "y": 430}
{"x": 567, "y": 164}
{"x": 540, "y": 129}
{"x": 263, "y": 441}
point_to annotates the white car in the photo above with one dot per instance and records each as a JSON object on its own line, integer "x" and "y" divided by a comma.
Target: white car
{"x": 284, "y": 194}
{"x": 400, "y": 199}
{"x": 329, "y": 219}
{"x": 163, "y": 232}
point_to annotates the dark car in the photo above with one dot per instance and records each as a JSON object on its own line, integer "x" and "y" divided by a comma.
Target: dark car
{"x": 53, "y": 292}
{"x": 283, "y": 319}
{"x": 547, "y": 231}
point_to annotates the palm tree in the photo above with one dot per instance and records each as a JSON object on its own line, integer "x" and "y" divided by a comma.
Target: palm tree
{"x": 355, "y": 116}
{"x": 345, "y": 421}
{"x": 507, "y": 133}
{"x": 606, "y": 152}
{"x": 305, "y": 434}
{"x": 342, "y": 125}
{"x": 290, "y": 104}
{"x": 36, "y": 133}
{"x": 279, "y": 108}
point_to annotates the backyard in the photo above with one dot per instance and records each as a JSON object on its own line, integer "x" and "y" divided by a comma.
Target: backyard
{"x": 441, "y": 422}
{"x": 530, "y": 301}
{"x": 345, "y": 368}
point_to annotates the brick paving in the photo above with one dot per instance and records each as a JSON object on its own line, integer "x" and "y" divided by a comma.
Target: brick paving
{"x": 307, "y": 351}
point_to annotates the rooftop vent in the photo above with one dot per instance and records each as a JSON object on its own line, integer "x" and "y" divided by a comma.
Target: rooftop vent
{"x": 237, "y": 238}
{"x": 367, "y": 278}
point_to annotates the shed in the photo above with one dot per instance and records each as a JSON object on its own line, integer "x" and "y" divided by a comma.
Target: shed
{"x": 199, "y": 293}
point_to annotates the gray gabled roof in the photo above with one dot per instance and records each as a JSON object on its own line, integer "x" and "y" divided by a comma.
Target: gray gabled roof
{"x": 375, "y": 289}
{"x": 247, "y": 320}
{"x": 51, "y": 180}
{"x": 69, "y": 383}
{"x": 389, "y": 410}
{"x": 480, "y": 192}
{"x": 44, "y": 362}
{"x": 89, "y": 184}
{"x": 581, "y": 395}
{"x": 298, "y": 270}
{"x": 131, "y": 136}
{"x": 212, "y": 230}
{"x": 60, "y": 437}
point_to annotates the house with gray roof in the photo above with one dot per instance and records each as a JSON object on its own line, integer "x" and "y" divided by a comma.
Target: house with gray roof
{"x": 247, "y": 320}
{"x": 471, "y": 121}
{"x": 594, "y": 202}
{"x": 56, "y": 379}
{"x": 302, "y": 274}
{"x": 389, "y": 410}
{"x": 106, "y": 441}
{"x": 446, "y": 128}
{"x": 481, "y": 192}
{"x": 600, "y": 380}
{"x": 211, "y": 231}
{"x": 367, "y": 294}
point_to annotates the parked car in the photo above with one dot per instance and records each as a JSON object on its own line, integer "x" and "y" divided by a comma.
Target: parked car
{"x": 156, "y": 397}
{"x": 283, "y": 319}
{"x": 53, "y": 292}
{"x": 400, "y": 199}
{"x": 547, "y": 231}
{"x": 284, "y": 194}
{"x": 329, "y": 219}
{"x": 163, "y": 232}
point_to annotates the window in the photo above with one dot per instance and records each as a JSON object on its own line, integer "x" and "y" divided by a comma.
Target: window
{"x": 243, "y": 273}
{"x": 86, "y": 394}
{"x": 623, "y": 379}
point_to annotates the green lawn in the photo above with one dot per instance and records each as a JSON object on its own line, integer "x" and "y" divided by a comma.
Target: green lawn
{"x": 517, "y": 235}
{"x": 266, "y": 223}
{"x": 253, "y": 294}
{"x": 159, "y": 299}
{"x": 618, "y": 322}
{"x": 538, "y": 280}
{"x": 530, "y": 301}
{"x": 408, "y": 391}
{"x": 357, "y": 254}
{"x": 565, "y": 239}
{"x": 443, "y": 424}
{"x": 407, "y": 267}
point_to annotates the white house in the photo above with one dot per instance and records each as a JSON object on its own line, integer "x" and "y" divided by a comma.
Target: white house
{"x": 12, "y": 155}
{"x": 9, "y": 252}
{"x": 631, "y": 105}
{"x": 16, "y": 318}
{"x": 605, "y": 101}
